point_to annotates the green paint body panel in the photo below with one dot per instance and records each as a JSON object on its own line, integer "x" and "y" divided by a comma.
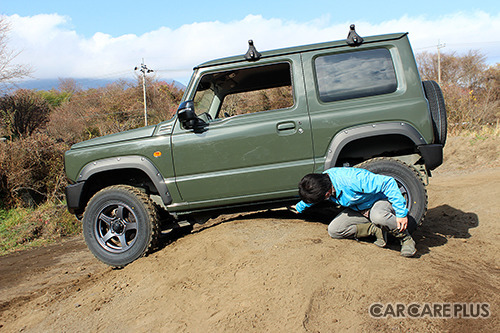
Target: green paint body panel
{"x": 262, "y": 156}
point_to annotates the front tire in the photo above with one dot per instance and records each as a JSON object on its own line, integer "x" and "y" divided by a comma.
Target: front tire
{"x": 120, "y": 225}
{"x": 409, "y": 182}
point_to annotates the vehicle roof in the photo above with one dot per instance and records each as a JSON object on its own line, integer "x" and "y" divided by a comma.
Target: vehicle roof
{"x": 303, "y": 48}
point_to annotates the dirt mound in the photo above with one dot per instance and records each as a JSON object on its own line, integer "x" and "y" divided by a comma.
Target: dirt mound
{"x": 270, "y": 271}
{"x": 469, "y": 153}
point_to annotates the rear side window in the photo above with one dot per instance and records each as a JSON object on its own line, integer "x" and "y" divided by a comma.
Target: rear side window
{"x": 355, "y": 74}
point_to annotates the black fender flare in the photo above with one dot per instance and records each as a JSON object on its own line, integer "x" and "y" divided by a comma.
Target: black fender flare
{"x": 128, "y": 162}
{"x": 342, "y": 138}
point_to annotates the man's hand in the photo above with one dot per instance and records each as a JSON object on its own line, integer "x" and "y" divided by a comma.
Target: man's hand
{"x": 292, "y": 209}
{"x": 402, "y": 223}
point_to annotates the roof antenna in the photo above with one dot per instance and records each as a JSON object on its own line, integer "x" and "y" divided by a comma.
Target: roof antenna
{"x": 252, "y": 53}
{"x": 353, "y": 38}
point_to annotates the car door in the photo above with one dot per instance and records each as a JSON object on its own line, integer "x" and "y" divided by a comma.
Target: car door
{"x": 255, "y": 148}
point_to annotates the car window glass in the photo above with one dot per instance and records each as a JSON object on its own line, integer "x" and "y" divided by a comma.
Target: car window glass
{"x": 257, "y": 100}
{"x": 203, "y": 100}
{"x": 355, "y": 74}
{"x": 245, "y": 90}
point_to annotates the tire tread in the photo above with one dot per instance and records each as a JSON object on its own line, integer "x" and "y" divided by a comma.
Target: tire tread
{"x": 151, "y": 210}
{"x": 363, "y": 165}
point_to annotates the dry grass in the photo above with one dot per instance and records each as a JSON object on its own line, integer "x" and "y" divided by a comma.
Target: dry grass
{"x": 23, "y": 228}
{"x": 468, "y": 150}
{"x": 490, "y": 130}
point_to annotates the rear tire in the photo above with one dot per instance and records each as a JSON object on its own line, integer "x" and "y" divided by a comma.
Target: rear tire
{"x": 409, "y": 182}
{"x": 120, "y": 225}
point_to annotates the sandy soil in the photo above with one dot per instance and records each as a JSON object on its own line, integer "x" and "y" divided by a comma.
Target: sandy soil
{"x": 271, "y": 271}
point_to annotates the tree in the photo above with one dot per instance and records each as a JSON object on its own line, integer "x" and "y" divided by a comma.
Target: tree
{"x": 493, "y": 81}
{"x": 470, "y": 87}
{"x": 54, "y": 97}
{"x": 163, "y": 100}
{"x": 8, "y": 70}
{"x": 69, "y": 86}
{"x": 23, "y": 113}
{"x": 466, "y": 71}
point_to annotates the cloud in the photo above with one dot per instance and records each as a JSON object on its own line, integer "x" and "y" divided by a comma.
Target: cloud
{"x": 50, "y": 44}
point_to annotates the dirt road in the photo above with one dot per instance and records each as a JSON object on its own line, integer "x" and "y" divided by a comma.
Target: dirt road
{"x": 271, "y": 272}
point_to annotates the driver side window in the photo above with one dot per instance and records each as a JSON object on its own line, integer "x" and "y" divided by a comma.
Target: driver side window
{"x": 244, "y": 91}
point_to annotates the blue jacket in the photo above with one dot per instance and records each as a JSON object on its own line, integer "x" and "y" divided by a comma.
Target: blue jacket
{"x": 359, "y": 189}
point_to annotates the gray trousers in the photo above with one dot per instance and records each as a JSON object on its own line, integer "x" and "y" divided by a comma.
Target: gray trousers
{"x": 344, "y": 225}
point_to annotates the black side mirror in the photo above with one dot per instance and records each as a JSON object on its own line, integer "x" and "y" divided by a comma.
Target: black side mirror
{"x": 186, "y": 115}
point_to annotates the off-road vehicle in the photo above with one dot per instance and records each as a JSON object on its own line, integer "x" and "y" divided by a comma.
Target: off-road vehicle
{"x": 249, "y": 128}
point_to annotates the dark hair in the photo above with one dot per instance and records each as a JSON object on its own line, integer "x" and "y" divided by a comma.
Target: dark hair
{"x": 313, "y": 187}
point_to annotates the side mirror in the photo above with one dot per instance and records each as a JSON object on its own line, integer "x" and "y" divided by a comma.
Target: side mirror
{"x": 186, "y": 114}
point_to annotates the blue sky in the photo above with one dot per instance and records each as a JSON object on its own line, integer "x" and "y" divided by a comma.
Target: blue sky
{"x": 138, "y": 17}
{"x": 105, "y": 38}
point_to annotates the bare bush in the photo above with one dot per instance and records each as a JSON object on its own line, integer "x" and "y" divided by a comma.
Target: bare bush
{"x": 96, "y": 112}
{"x": 23, "y": 113}
{"x": 111, "y": 109}
{"x": 471, "y": 88}
{"x": 31, "y": 170}
{"x": 163, "y": 99}
{"x": 258, "y": 100}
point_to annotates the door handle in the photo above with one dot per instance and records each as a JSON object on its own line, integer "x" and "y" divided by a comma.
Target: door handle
{"x": 286, "y": 126}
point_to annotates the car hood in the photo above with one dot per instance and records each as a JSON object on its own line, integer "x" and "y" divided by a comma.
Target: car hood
{"x": 134, "y": 134}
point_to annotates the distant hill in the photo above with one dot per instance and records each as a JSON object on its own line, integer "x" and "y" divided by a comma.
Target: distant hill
{"x": 48, "y": 84}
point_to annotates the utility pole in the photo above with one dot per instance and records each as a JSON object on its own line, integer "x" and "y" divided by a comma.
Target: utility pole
{"x": 144, "y": 69}
{"x": 439, "y": 46}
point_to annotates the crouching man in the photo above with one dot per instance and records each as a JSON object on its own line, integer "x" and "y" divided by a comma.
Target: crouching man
{"x": 373, "y": 205}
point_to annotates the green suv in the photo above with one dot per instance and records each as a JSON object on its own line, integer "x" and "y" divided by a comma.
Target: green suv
{"x": 247, "y": 130}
